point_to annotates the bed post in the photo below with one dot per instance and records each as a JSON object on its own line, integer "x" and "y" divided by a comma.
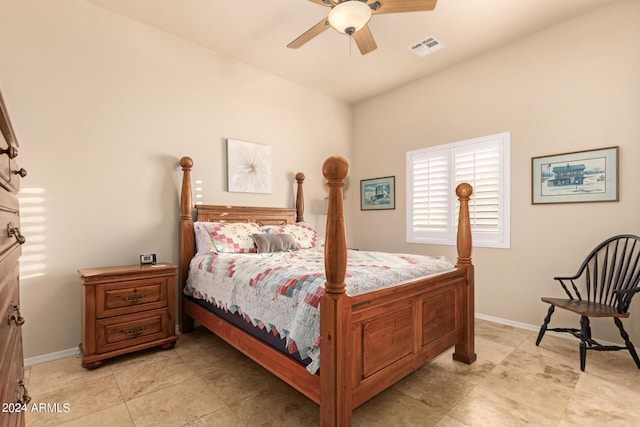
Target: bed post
{"x": 335, "y": 309}
{"x": 300, "y": 198}
{"x": 187, "y": 239}
{"x": 465, "y": 351}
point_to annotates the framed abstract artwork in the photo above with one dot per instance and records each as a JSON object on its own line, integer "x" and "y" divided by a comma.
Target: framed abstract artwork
{"x": 248, "y": 167}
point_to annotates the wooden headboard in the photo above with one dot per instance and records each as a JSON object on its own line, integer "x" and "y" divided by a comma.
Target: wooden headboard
{"x": 260, "y": 215}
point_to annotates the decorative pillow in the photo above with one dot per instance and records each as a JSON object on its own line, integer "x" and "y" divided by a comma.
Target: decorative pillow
{"x": 274, "y": 242}
{"x": 232, "y": 237}
{"x": 304, "y": 235}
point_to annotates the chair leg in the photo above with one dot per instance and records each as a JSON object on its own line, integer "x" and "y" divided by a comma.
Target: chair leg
{"x": 543, "y": 328}
{"x": 585, "y": 334}
{"x": 627, "y": 342}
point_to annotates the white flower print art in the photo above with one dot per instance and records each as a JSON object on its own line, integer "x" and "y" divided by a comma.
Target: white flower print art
{"x": 248, "y": 167}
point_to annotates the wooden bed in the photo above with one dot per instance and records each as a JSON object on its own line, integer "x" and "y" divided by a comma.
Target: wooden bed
{"x": 424, "y": 317}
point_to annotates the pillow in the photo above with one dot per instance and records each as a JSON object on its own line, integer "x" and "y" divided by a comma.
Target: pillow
{"x": 304, "y": 235}
{"x": 274, "y": 242}
{"x": 204, "y": 242}
{"x": 232, "y": 237}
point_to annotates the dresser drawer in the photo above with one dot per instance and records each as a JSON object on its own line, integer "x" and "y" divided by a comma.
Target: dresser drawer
{"x": 13, "y": 388}
{"x": 130, "y": 330}
{"x": 9, "y": 302}
{"x": 9, "y": 218}
{"x": 8, "y": 165}
{"x": 115, "y": 299}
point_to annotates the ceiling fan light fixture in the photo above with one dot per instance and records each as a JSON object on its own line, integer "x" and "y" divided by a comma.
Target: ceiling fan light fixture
{"x": 349, "y": 16}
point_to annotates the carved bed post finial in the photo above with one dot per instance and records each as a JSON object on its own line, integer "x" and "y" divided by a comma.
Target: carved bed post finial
{"x": 185, "y": 197}
{"x": 335, "y": 170}
{"x": 463, "y": 192}
{"x": 300, "y": 198}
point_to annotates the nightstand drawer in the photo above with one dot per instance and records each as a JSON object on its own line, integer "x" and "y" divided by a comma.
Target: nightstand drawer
{"x": 115, "y": 299}
{"x": 126, "y": 331}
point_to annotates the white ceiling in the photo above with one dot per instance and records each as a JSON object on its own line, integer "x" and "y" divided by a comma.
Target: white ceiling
{"x": 256, "y": 32}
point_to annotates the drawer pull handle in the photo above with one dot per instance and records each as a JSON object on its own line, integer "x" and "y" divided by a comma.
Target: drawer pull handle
{"x": 15, "y": 316}
{"x": 22, "y": 172}
{"x": 134, "y": 332}
{"x": 22, "y": 389}
{"x": 134, "y": 298}
{"x": 12, "y": 230}
{"x": 11, "y": 151}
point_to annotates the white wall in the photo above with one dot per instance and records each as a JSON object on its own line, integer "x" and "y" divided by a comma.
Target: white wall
{"x": 104, "y": 108}
{"x": 572, "y": 87}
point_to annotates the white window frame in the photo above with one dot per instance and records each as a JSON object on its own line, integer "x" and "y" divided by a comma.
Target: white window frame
{"x": 444, "y": 233}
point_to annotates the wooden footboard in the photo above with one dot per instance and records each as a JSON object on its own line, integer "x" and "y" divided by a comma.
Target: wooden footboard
{"x": 369, "y": 341}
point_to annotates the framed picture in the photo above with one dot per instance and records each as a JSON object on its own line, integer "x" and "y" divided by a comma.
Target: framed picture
{"x": 248, "y": 167}
{"x": 580, "y": 176}
{"x": 378, "y": 193}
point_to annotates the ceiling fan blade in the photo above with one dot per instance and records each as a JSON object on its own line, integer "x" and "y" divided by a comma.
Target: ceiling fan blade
{"x": 364, "y": 39}
{"x": 396, "y": 6}
{"x": 321, "y": 3}
{"x": 309, "y": 34}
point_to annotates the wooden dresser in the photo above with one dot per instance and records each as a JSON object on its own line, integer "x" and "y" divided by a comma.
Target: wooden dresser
{"x": 125, "y": 309}
{"x": 13, "y": 391}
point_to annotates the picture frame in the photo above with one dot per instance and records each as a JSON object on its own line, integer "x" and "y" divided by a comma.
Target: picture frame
{"x": 248, "y": 167}
{"x": 576, "y": 177}
{"x": 378, "y": 193}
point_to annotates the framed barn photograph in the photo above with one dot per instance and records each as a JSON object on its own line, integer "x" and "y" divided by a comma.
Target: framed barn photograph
{"x": 378, "y": 193}
{"x": 580, "y": 176}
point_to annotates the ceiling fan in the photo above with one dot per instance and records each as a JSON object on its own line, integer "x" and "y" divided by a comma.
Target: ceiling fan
{"x": 351, "y": 17}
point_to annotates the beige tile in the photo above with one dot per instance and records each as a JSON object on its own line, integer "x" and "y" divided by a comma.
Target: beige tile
{"x": 280, "y": 406}
{"x": 221, "y": 418}
{"x": 136, "y": 380}
{"x": 437, "y": 388}
{"x": 536, "y": 382}
{"x": 239, "y": 378}
{"x": 482, "y": 407}
{"x": 150, "y": 355}
{"x": 175, "y": 405}
{"x": 83, "y": 398}
{"x": 48, "y": 376}
{"x": 512, "y": 383}
{"x": 597, "y": 401}
{"x": 392, "y": 408}
{"x": 203, "y": 351}
{"x": 115, "y": 416}
{"x": 472, "y": 373}
{"x": 503, "y": 334}
{"x": 447, "y": 421}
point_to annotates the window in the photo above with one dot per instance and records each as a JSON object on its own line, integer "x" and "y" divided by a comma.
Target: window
{"x": 432, "y": 176}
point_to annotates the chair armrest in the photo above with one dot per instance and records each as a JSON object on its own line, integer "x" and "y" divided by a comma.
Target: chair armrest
{"x": 567, "y": 277}
{"x": 627, "y": 291}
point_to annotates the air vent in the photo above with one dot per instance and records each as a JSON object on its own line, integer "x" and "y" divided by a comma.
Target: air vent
{"x": 426, "y": 46}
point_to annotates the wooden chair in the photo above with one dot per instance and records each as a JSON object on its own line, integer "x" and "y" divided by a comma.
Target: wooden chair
{"x": 604, "y": 285}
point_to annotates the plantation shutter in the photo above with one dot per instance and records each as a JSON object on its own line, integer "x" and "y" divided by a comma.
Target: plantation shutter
{"x": 433, "y": 174}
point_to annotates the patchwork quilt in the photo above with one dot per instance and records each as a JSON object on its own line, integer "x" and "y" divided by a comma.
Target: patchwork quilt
{"x": 280, "y": 292}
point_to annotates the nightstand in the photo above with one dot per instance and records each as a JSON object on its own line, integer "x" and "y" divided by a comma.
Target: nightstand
{"x": 125, "y": 309}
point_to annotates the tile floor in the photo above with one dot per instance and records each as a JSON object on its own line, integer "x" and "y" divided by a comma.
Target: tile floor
{"x": 205, "y": 382}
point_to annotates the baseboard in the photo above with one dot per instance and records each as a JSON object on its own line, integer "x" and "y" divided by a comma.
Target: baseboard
{"x": 59, "y": 354}
{"x": 508, "y": 322}
{"x": 535, "y": 328}
{"x": 51, "y": 356}
{"x": 74, "y": 351}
